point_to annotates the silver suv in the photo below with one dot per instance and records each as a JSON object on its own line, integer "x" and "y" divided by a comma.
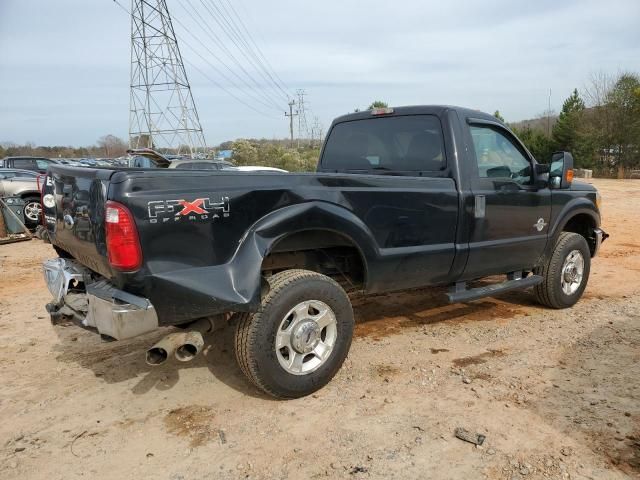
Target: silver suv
{"x": 23, "y": 184}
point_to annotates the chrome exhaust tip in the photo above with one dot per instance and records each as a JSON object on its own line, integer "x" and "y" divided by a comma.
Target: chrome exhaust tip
{"x": 161, "y": 351}
{"x": 192, "y": 346}
{"x": 156, "y": 356}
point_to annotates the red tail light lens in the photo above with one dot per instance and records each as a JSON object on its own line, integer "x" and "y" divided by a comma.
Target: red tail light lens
{"x": 123, "y": 245}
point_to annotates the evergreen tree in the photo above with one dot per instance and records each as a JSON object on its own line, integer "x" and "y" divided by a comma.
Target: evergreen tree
{"x": 536, "y": 142}
{"x": 566, "y": 134}
{"x": 377, "y": 104}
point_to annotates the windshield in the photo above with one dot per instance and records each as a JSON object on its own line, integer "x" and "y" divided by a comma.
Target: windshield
{"x": 411, "y": 143}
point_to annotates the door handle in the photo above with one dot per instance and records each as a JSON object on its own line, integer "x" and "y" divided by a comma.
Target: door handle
{"x": 480, "y": 206}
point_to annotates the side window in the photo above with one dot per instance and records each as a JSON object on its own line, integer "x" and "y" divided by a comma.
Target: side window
{"x": 498, "y": 156}
{"x": 26, "y": 163}
{"x": 42, "y": 164}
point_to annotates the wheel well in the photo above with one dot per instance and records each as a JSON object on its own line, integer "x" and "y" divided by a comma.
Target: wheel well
{"x": 584, "y": 225}
{"x": 25, "y": 195}
{"x": 321, "y": 251}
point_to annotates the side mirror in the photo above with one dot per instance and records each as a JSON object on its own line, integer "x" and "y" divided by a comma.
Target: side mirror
{"x": 561, "y": 170}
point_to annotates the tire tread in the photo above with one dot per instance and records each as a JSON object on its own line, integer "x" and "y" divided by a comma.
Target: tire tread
{"x": 545, "y": 292}
{"x": 247, "y": 334}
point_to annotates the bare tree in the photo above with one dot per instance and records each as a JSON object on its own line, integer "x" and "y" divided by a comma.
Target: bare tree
{"x": 112, "y": 146}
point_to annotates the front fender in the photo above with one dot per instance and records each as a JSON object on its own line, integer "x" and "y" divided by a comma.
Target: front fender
{"x": 573, "y": 207}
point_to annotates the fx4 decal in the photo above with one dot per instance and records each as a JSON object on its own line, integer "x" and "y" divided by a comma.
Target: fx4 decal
{"x": 163, "y": 211}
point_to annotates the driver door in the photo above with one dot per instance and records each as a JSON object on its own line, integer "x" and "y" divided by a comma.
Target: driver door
{"x": 511, "y": 214}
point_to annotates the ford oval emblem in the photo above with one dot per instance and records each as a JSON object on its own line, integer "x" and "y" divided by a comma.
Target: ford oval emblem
{"x": 68, "y": 221}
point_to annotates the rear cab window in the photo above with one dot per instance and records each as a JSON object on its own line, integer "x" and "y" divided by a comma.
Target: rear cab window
{"x": 407, "y": 144}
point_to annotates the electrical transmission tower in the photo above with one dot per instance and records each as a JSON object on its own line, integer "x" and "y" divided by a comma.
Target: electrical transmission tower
{"x": 163, "y": 114}
{"x": 303, "y": 127}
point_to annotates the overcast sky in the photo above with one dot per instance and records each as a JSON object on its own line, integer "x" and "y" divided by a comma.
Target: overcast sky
{"x": 64, "y": 64}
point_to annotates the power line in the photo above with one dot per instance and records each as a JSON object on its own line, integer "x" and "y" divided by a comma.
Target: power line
{"x": 277, "y": 81}
{"x": 217, "y": 84}
{"x": 273, "y": 104}
{"x": 211, "y": 34}
{"x": 231, "y": 31}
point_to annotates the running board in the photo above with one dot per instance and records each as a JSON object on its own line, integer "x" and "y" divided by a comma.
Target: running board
{"x": 459, "y": 292}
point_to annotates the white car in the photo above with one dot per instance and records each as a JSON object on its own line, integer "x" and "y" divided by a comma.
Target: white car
{"x": 251, "y": 168}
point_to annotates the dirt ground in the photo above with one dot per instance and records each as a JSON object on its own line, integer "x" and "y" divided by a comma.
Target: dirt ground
{"x": 556, "y": 393}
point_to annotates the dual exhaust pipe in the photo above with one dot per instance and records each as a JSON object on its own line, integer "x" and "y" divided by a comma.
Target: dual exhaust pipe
{"x": 185, "y": 346}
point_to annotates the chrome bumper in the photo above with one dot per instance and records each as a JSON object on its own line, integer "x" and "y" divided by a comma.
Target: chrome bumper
{"x": 93, "y": 304}
{"x": 601, "y": 236}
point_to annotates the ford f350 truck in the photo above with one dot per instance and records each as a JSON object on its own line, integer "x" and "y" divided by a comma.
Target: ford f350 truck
{"x": 402, "y": 198}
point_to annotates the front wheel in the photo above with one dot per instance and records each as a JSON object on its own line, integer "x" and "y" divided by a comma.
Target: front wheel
{"x": 299, "y": 337}
{"x": 566, "y": 273}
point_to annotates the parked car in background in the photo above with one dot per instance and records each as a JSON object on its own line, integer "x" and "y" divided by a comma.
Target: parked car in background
{"x": 148, "y": 158}
{"x": 195, "y": 164}
{"x": 252, "y": 168}
{"x": 35, "y": 164}
{"x": 23, "y": 184}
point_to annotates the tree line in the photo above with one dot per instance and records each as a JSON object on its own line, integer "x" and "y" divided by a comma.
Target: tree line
{"x": 107, "y": 146}
{"x": 600, "y": 127}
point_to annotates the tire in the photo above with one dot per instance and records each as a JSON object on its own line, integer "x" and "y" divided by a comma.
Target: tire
{"x": 287, "y": 370}
{"x": 32, "y": 211}
{"x": 559, "y": 288}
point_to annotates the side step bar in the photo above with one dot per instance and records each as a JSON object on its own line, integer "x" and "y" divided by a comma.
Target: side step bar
{"x": 460, "y": 293}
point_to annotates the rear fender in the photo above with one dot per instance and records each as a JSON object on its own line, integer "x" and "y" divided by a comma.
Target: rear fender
{"x": 236, "y": 285}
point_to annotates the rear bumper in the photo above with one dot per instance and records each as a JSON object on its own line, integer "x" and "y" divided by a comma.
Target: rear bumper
{"x": 95, "y": 305}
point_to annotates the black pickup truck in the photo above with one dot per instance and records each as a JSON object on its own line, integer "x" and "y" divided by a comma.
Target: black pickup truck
{"x": 402, "y": 198}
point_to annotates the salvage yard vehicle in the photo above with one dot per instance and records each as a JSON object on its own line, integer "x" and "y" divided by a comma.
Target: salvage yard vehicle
{"x": 402, "y": 198}
{"x": 34, "y": 164}
{"x": 22, "y": 184}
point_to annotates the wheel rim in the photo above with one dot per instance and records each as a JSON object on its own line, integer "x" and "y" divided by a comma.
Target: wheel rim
{"x": 306, "y": 337}
{"x": 32, "y": 211}
{"x": 572, "y": 272}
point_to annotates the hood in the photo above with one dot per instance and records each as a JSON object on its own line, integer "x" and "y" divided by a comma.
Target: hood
{"x": 581, "y": 186}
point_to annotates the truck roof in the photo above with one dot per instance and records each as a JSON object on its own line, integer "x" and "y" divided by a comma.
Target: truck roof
{"x": 418, "y": 110}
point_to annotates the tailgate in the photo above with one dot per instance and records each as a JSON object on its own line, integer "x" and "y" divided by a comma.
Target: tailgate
{"x": 74, "y": 202}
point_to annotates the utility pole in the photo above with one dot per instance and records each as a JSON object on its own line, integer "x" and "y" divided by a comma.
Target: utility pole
{"x": 162, "y": 114}
{"x": 291, "y": 115}
{"x": 549, "y": 115}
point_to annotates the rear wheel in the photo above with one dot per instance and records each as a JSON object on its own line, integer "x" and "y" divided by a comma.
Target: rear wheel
{"x": 566, "y": 273}
{"x": 299, "y": 337}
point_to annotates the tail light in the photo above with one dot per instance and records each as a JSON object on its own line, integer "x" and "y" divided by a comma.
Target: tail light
{"x": 123, "y": 245}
